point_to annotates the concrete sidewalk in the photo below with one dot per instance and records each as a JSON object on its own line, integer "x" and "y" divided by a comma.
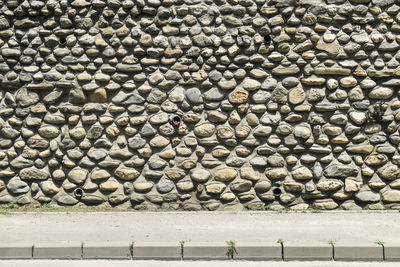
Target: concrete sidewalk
{"x": 158, "y": 235}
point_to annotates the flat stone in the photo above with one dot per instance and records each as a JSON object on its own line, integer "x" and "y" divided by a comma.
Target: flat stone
{"x": 33, "y": 174}
{"x": 225, "y": 175}
{"x": 250, "y": 174}
{"x": 204, "y": 130}
{"x": 360, "y": 149}
{"x": 280, "y": 71}
{"x": 126, "y": 174}
{"x": 381, "y": 93}
{"x": 302, "y": 173}
{"x": 251, "y": 84}
{"x": 330, "y": 48}
{"x": 276, "y": 173}
{"x": 376, "y": 160}
{"x": 332, "y": 71}
{"x": 200, "y": 175}
{"x": 77, "y": 176}
{"x": 340, "y": 171}
{"x": 329, "y": 185}
{"x": 367, "y": 196}
{"x": 348, "y": 82}
{"x": 391, "y": 196}
{"x": 215, "y": 188}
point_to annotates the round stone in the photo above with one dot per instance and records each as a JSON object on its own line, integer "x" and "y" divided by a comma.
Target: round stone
{"x": 296, "y": 96}
{"x": 225, "y": 175}
{"x": 200, "y": 175}
{"x": 348, "y": 82}
{"x": 302, "y": 173}
{"x": 204, "y": 130}
{"x": 290, "y": 82}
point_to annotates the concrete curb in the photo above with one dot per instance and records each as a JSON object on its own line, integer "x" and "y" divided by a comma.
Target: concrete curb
{"x": 57, "y": 251}
{"x": 358, "y": 252}
{"x": 307, "y": 252}
{"x": 252, "y": 251}
{"x": 391, "y": 251}
{"x": 107, "y": 250}
{"x": 156, "y": 251}
{"x": 205, "y": 251}
{"x": 16, "y": 251}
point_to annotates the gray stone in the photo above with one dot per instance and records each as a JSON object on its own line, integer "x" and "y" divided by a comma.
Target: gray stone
{"x": 290, "y": 82}
{"x": 367, "y": 196}
{"x": 16, "y": 186}
{"x": 340, "y": 171}
{"x": 33, "y": 174}
{"x": 165, "y": 186}
{"x": 194, "y": 96}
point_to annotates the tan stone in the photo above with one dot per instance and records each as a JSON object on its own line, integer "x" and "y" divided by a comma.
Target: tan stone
{"x": 330, "y": 48}
{"x": 168, "y": 154}
{"x": 342, "y": 195}
{"x": 143, "y": 186}
{"x": 238, "y": 96}
{"x": 204, "y": 130}
{"x": 200, "y": 175}
{"x": 225, "y": 175}
{"x": 49, "y": 188}
{"x": 297, "y": 96}
{"x": 351, "y": 185}
{"x": 77, "y": 175}
{"x": 98, "y": 174}
{"x": 376, "y": 160}
{"x": 185, "y": 186}
{"x": 360, "y": 149}
{"x": 227, "y": 197}
{"x": 348, "y": 82}
{"x": 293, "y": 186}
{"x": 302, "y": 173}
{"x": 159, "y": 141}
{"x": 329, "y": 185}
{"x": 220, "y": 152}
{"x": 391, "y": 196}
{"x": 215, "y": 188}
{"x": 328, "y": 205}
{"x": 109, "y": 186}
{"x": 224, "y": 132}
{"x": 98, "y": 96}
{"x": 389, "y": 172}
{"x": 175, "y": 174}
{"x": 250, "y": 174}
{"x": 126, "y": 174}
{"x": 277, "y": 173}
{"x": 242, "y": 131}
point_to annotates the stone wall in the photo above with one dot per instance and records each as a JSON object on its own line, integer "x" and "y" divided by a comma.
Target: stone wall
{"x": 200, "y": 104}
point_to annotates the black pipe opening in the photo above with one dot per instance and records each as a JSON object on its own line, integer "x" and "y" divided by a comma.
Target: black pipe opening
{"x": 176, "y": 120}
{"x": 62, "y": 40}
{"x": 267, "y": 39}
{"x": 277, "y": 191}
{"x": 78, "y": 193}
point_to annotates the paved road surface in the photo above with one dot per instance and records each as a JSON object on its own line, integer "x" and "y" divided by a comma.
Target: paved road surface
{"x": 200, "y": 226}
